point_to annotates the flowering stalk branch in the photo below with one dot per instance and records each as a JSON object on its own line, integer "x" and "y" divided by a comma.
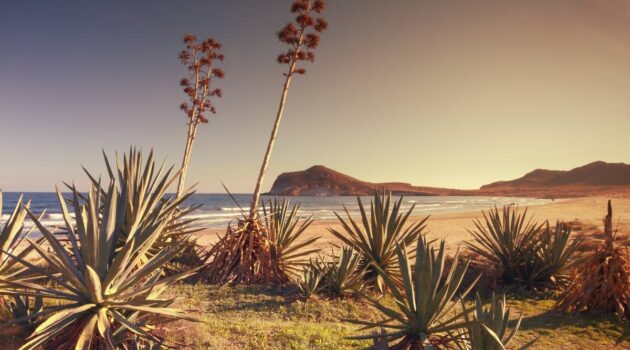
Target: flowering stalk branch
{"x": 199, "y": 58}
{"x": 302, "y": 38}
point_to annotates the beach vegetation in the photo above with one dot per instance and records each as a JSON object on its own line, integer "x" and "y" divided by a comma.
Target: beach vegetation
{"x": 309, "y": 281}
{"x": 273, "y": 253}
{"x": 426, "y": 312}
{"x": 344, "y": 274}
{"x": 301, "y": 37}
{"x": 106, "y": 287}
{"x": 602, "y": 281}
{"x": 524, "y": 252}
{"x": 143, "y": 193}
{"x": 12, "y": 235}
{"x": 246, "y": 253}
{"x": 201, "y": 59}
{"x": 375, "y": 235}
{"x": 488, "y": 327}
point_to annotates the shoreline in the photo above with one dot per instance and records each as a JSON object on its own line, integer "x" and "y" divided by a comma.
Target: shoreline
{"x": 584, "y": 212}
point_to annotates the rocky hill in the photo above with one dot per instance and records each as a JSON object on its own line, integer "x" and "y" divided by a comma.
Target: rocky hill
{"x": 597, "y": 178}
{"x": 592, "y": 174}
{"x": 319, "y": 180}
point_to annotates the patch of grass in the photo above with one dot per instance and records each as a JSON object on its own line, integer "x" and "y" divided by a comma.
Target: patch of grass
{"x": 260, "y": 318}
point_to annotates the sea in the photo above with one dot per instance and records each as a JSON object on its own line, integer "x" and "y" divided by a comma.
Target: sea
{"x": 218, "y": 210}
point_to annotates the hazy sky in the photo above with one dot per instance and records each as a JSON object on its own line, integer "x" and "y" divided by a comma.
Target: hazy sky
{"x": 438, "y": 93}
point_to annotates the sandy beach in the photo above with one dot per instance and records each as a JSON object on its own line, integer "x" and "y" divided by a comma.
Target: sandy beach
{"x": 583, "y": 213}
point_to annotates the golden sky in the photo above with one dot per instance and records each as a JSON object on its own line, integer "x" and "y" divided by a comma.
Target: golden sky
{"x": 435, "y": 93}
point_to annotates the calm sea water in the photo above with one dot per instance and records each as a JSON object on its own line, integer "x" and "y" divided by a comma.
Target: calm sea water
{"x": 219, "y": 209}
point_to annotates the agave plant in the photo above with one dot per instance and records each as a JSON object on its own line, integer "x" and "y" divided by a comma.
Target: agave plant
{"x": 602, "y": 281}
{"x": 426, "y": 312}
{"x": 309, "y": 281}
{"x": 11, "y": 237}
{"x": 142, "y": 188}
{"x": 383, "y": 228}
{"x": 488, "y": 327}
{"x": 105, "y": 291}
{"x": 344, "y": 275}
{"x": 555, "y": 256}
{"x": 284, "y": 229}
{"x": 270, "y": 251}
{"x": 526, "y": 253}
{"x": 508, "y": 241}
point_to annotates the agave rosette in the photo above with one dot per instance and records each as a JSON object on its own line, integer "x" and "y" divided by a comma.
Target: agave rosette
{"x": 284, "y": 228}
{"x": 426, "y": 311}
{"x": 344, "y": 274}
{"x": 382, "y": 229}
{"x": 105, "y": 290}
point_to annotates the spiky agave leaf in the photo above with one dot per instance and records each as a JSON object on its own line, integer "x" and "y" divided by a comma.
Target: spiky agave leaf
{"x": 426, "y": 305}
{"x": 285, "y": 226}
{"x": 11, "y": 237}
{"x": 488, "y": 326}
{"x": 508, "y": 239}
{"x": 556, "y": 257}
{"x": 344, "y": 274}
{"x": 103, "y": 292}
{"x": 381, "y": 229}
{"x": 142, "y": 188}
{"x": 22, "y": 307}
{"x": 309, "y": 281}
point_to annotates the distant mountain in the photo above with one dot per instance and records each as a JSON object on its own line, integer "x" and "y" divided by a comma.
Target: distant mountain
{"x": 319, "y": 180}
{"x": 597, "y": 178}
{"x": 593, "y": 174}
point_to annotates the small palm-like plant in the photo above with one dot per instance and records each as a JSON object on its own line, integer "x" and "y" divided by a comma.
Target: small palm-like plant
{"x": 105, "y": 291}
{"x": 309, "y": 280}
{"x": 344, "y": 274}
{"x": 381, "y": 229}
{"x": 508, "y": 240}
{"x": 426, "y": 312}
{"x": 488, "y": 327}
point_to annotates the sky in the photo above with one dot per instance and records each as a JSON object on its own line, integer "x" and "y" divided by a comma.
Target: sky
{"x": 435, "y": 93}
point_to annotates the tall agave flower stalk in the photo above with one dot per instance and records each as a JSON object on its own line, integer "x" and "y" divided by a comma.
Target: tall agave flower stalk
{"x": 376, "y": 235}
{"x": 302, "y": 38}
{"x": 200, "y": 59}
{"x": 246, "y": 253}
{"x": 107, "y": 294}
{"x": 602, "y": 281}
